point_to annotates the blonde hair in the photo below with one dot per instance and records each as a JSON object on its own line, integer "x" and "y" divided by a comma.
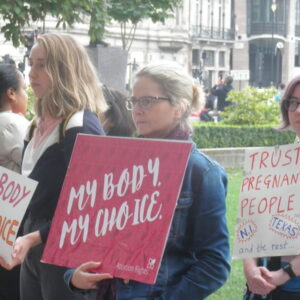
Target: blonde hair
{"x": 177, "y": 84}
{"x": 74, "y": 82}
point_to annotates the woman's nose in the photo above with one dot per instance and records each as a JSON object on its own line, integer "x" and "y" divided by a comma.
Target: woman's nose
{"x": 298, "y": 108}
{"x": 31, "y": 73}
{"x": 137, "y": 110}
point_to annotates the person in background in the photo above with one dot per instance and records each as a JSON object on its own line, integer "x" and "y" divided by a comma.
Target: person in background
{"x": 69, "y": 100}
{"x": 196, "y": 257}
{"x": 208, "y": 111}
{"x": 283, "y": 283}
{"x": 117, "y": 119}
{"x": 221, "y": 90}
{"x": 13, "y": 103}
{"x": 280, "y": 92}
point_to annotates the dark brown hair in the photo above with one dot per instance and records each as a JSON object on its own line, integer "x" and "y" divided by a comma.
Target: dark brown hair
{"x": 9, "y": 79}
{"x": 119, "y": 118}
{"x": 287, "y": 94}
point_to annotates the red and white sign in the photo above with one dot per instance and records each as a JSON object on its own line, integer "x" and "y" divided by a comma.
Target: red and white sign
{"x": 268, "y": 222}
{"x": 117, "y": 204}
{"x": 16, "y": 192}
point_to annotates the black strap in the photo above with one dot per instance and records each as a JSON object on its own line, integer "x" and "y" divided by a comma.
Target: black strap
{"x": 274, "y": 263}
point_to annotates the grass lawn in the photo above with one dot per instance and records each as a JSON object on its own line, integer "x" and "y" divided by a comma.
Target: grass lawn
{"x": 233, "y": 288}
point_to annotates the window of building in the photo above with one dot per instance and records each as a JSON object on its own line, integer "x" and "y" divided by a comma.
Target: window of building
{"x": 196, "y": 57}
{"x": 179, "y": 17}
{"x": 208, "y": 13}
{"x": 209, "y": 60}
{"x": 221, "y": 59}
{"x": 261, "y": 11}
{"x": 297, "y": 53}
{"x": 297, "y": 13}
{"x": 220, "y": 15}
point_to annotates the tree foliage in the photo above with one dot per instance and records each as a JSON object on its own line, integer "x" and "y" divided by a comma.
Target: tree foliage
{"x": 251, "y": 106}
{"x": 18, "y": 14}
{"x": 130, "y": 12}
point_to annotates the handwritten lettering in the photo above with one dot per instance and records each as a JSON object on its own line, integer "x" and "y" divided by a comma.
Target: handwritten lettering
{"x": 285, "y": 226}
{"x": 8, "y": 229}
{"x": 129, "y": 212}
{"x": 269, "y": 181}
{"x": 86, "y": 193}
{"x": 275, "y": 158}
{"x": 124, "y": 182}
{"x": 271, "y": 205}
{"x": 12, "y": 191}
{"x": 76, "y": 229}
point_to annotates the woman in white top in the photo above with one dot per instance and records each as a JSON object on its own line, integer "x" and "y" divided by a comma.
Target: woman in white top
{"x": 13, "y": 126}
{"x": 13, "y": 102}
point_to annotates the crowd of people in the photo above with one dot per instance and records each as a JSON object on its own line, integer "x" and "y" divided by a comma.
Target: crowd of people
{"x": 70, "y": 99}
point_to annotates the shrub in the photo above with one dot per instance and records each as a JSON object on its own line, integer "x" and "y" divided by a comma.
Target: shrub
{"x": 218, "y": 135}
{"x": 251, "y": 106}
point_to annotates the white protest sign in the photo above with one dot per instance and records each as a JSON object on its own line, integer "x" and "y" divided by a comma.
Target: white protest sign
{"x": 15, "y": 194}
{"x": 240, "y": 74}
{"x": 268, "y": 222}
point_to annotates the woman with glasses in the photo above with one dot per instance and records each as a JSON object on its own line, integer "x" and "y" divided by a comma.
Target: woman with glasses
{"x": 196, "y": 257}
{"x": 283, "y": 283}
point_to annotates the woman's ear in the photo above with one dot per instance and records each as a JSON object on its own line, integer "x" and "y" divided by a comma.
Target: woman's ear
{"x": 8, "y": 99}
{"x": 11, "y": 94}
{"x": 181, "y": 108}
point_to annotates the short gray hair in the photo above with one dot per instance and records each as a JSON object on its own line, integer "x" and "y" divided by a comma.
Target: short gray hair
{"x": 177, "y": 84}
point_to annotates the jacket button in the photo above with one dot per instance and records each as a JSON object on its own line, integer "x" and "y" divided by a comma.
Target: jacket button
{"x": 126, "y": 281}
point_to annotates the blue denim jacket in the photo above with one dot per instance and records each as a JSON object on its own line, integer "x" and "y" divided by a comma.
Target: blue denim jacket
{"x": 196, "y": 260}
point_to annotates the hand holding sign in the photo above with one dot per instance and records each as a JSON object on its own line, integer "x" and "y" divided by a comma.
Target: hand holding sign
{"x": 84, "y": 278}
{"x": 15, "y": 194}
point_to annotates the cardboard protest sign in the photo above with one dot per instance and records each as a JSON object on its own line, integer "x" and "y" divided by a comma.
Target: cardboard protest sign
{"x": 268, "y": 222}
{"x": 116, "y": 205}
{"x": 15, "y": 194}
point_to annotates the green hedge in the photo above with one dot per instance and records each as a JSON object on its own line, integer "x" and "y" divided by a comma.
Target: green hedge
{"x": 215, "y": 135}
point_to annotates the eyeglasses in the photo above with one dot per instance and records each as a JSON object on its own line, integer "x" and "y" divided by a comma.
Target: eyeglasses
{"x": 291, "y": 104}
{"x": 145, "y": 102}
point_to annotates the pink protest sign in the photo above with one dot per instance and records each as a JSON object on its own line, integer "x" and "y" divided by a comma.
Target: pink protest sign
{"x": 117, "y": 204}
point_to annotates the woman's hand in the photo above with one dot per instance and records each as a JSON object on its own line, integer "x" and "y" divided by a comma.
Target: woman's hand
{"x": 278, "y": 277}
{"x": 5, "y": 265}
{"x": 258, "y": 278}
{"x": 83, "y": 278}
{"x": 260, "y": 281}
{"x": 21, "y": 247}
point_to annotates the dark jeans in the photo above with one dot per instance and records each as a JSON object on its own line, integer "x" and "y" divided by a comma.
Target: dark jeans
{"x": 41, "y": 281}
{"x": 283, "y": 295}
{"x": 10, "y": 284}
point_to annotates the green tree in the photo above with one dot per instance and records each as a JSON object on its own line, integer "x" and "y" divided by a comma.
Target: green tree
{"x": 130, "y": 12}
{"x": 251, "y": 106}
{"x": 20, "y": 13}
